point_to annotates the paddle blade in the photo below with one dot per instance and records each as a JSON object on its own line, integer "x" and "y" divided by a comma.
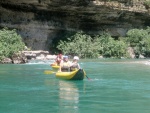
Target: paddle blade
{"x": 49, "y": 72}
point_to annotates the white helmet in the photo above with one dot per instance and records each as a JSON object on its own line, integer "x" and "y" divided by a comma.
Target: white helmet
{"x": 76, "y": 58}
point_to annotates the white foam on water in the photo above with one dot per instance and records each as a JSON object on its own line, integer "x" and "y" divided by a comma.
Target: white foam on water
{"x": 147, "y": 63}
{"x": 33, "y": 62}
{"x": 93, "y": 79}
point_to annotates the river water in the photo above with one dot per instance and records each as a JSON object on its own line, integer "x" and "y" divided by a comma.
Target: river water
{"x": 115, "y": 86}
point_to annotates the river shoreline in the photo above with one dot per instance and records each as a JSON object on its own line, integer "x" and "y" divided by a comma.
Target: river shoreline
{"x": 26, "y": 56}
{"x": 44, "y": 56}
{"x": 99, "y": 61}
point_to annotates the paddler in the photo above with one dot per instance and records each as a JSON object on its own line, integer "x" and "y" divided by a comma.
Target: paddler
{"x": 75, "y": 65}
{"x": 57, "y": 60}
{"x": 65, "y": 64}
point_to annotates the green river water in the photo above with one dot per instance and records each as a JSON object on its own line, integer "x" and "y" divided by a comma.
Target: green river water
{"x": 115, "y": 86}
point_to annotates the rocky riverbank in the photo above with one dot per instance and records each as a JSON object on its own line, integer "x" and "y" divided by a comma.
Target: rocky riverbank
{"x": 40, "y": 55}
{"x": 26, "y": 56}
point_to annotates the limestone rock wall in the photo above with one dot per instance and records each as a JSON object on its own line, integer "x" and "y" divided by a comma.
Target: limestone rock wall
{"x": 41, "y": 21}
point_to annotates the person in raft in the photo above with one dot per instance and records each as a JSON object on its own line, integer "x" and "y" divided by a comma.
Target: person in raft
{"x": 75, "y": 65}
{"x": 57, "y": 60}
{"x": 65, "y": 64}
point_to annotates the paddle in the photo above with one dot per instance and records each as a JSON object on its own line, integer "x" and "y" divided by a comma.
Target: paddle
{"x": 86, "y": 75}
{"x": 49, "y": 72}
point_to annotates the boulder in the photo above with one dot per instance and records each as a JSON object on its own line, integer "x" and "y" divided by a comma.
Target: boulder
{"x": 141, "y": 56}
{"x": 41, "y": 57}
{"x": 6, "y": 61}
{"x": 40, "y": 54}
{"x": 19, "y": 58}
{"x": 51, "y": 57}
{"x": 131, "y": 52}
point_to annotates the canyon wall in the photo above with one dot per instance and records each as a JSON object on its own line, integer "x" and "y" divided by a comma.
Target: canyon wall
{"x": 39, "y": 22}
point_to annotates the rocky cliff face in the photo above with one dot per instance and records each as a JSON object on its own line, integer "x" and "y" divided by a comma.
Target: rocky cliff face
{"x": 41, "y": 21}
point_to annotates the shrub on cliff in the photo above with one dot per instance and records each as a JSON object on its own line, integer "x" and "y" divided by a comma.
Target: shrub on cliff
{"x": 10, "y": 43}
{"x": 87, "y": 47}
{"x": 79, "y": 44}
{"x": 110, "y": 47}
{"x": 139, "y": 40}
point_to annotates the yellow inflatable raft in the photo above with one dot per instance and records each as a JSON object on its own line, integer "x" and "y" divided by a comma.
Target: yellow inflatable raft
{"x": 73, "y": 75}
{"x": 55, "y": 67}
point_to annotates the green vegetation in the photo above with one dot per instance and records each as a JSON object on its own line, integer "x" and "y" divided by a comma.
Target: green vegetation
{"x": 110, "y": 47}
{"x": 79, "y": 44}
{"x": 139, "y": 40}
{"x": 10, "y": 43}
{"x": 86, "y": 46}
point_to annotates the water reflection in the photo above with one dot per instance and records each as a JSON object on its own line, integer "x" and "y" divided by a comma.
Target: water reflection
{"x": 68, "y": 96}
